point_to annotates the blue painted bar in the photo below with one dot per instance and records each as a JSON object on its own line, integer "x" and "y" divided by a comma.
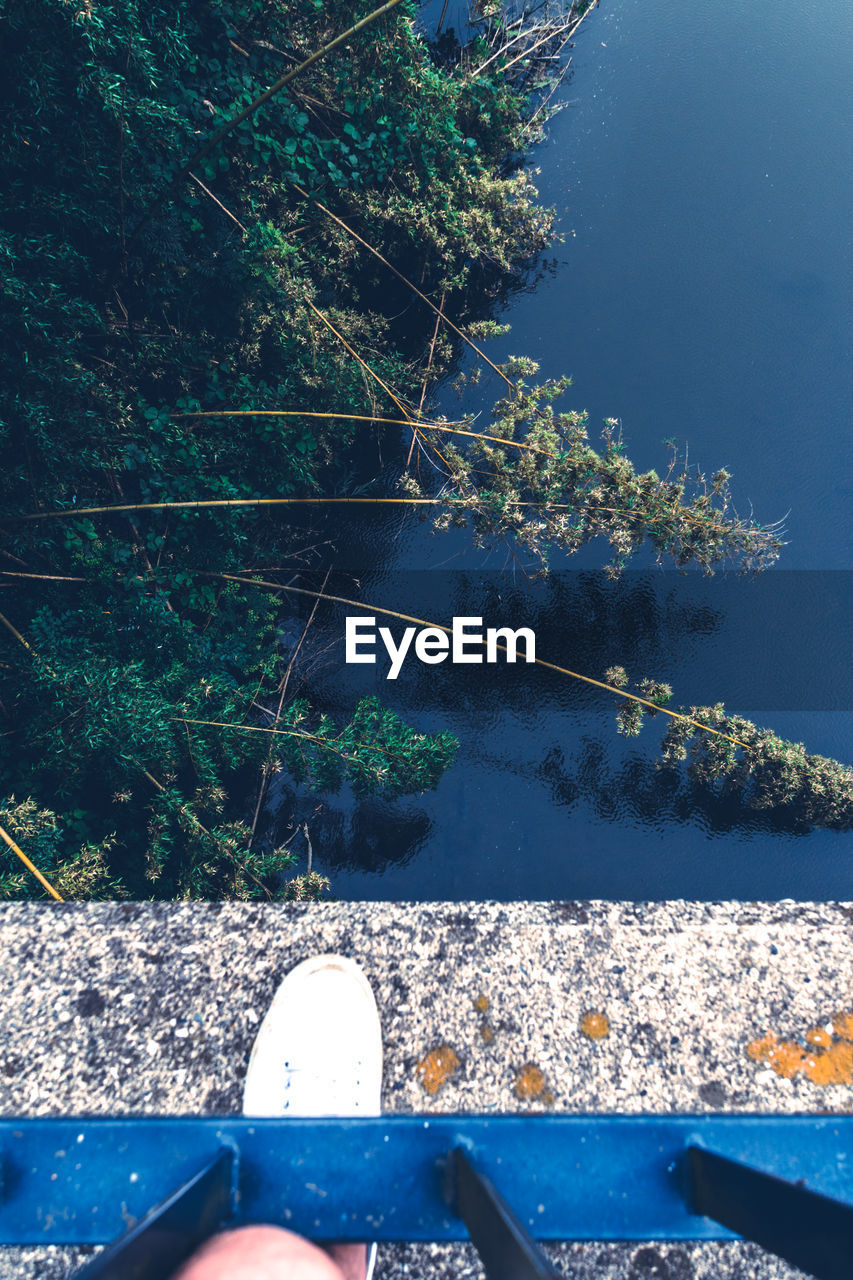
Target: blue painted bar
{"x": 567, "y": 1177}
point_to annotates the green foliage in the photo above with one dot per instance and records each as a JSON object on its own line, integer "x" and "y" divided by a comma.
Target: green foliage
{"x": 550, "y": 489}
{"x": 128, "y": 301}
{"x": 153, "y": 737}
{"x": 769, "y": 772}
{"x": 104, "y": 331}
{"x": 376, "y": 751}
{"x": 308, "y": 887}
{"x": 76, "y": 869}
{"x": 766, "y": 772}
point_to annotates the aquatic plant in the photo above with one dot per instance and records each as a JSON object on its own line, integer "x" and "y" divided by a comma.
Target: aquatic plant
{"x": 547, "y": 488}
{"x": 763, "y": 770}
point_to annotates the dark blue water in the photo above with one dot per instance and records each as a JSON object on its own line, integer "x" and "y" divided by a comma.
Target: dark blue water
{"x": 704, "y": 292}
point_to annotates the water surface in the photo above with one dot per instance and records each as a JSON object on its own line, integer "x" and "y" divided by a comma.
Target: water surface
{"x": 703, "y": 292}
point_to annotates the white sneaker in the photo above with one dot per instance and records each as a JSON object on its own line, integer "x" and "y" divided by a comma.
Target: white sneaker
{"x": 318, "y": 1051}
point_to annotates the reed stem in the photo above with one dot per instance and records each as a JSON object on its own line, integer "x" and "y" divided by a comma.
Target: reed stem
{"x": 424, "y": 622}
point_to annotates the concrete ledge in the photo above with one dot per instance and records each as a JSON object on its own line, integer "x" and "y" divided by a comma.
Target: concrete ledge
{"x": 152, "y": 1008}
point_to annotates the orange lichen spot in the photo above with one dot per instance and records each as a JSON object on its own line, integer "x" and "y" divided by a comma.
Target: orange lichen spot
{"x": 842, "y": 1026}
{"x": 487, "y": 1032}
{"x": 784, "y": 1056}
{"x": 788, "y": 1059}
{"x": 835, "y": 1066}
{"x": 530, "y": 1085}
{"x": 436, "y": 1068}
{"x": 827, "y": 1060}
{"x": 482, "y": 1004}
{"x": 595, "y": 1025}
{"x": 758, "y": 1050}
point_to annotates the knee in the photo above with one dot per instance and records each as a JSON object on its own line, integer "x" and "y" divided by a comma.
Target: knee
{"x": 259, "y": 1253}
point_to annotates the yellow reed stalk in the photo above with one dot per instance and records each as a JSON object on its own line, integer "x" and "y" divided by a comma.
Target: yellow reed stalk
{"x": 200, "y": 504}
{"x": 4, "y": 835}
{"x": 427, "y": 373}
{"x": 363, "y": 363}
{"x": 423, "y": 622}
{"x": 207, "y": 191}
{"x": 288, "y": 733}
{"x": 431, "y": 351}
{"x": 363, "y": 417}
{"x": 438, "y": 311}
{"x": 298, "y": 413}
{"x": 41, "y": 577}
{"x": 481, "y": 435}
{"x": 4, "y": 621}
{"x": 258, "y": 102}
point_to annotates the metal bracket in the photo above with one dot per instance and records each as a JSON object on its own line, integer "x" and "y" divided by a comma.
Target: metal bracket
{"x": 506, "y": 1249}
{"x": 809, "y": 1230}
{"x": 784, "y": 1181}
{"x": 155, "y": 1247}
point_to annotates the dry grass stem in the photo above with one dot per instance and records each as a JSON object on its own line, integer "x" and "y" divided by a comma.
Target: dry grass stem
{"x": 424, "y": 622}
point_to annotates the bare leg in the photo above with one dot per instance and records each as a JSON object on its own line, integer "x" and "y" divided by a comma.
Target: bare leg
{"x": 271, "y": 1253}
{"x": 351, "y": 1258}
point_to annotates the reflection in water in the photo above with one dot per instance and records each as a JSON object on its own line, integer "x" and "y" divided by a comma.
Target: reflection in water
{"x": 691, "y": 299}
{"x": 367, "y": 835}
{"x": 638, "y": 791}
{"x": 581, "y": 620}
{"x": 529, "y": 777}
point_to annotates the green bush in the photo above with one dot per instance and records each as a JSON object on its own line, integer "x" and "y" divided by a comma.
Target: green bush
{"x": 130, "y": 298}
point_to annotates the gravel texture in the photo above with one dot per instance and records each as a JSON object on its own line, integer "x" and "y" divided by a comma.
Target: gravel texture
{"x": 149, "y": 1008}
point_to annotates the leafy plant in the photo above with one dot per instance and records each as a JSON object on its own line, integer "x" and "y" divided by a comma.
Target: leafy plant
{"x": 142, "y": 281}
{"x": 764, "y": 771}
{"x": 533, "y": 476}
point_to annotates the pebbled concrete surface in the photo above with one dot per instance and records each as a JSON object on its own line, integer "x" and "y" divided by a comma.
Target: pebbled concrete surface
{"x": 151, "y": 1008}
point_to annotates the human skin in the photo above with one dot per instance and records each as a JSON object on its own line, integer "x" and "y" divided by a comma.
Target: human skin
{"x": 272, "y": 1253}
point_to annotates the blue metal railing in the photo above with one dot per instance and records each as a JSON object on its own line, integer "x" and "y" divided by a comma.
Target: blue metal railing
{"x": 783, "y": 1181}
